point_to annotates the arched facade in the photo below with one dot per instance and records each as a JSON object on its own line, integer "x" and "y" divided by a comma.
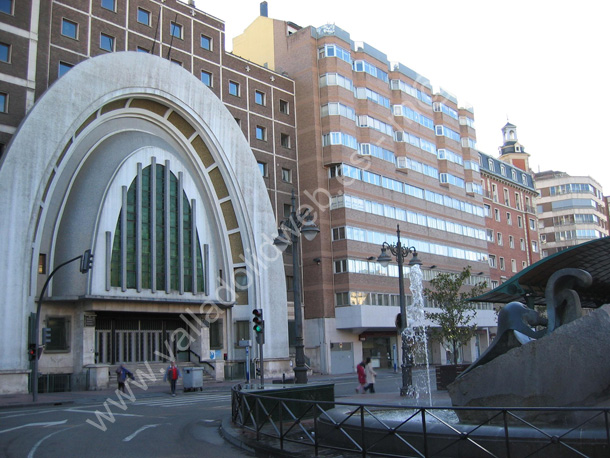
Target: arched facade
{"x": 132, "y": 157}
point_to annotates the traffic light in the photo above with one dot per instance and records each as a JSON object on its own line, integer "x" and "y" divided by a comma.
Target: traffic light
{"x": 259, "y": 325}
{"x": 86, "y": 262}
{"x": 32, "y": 352}
{"x": 46, "y": 336}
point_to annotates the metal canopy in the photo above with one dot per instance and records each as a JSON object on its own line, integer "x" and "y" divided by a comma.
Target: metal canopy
{"x": 529, "y": 284}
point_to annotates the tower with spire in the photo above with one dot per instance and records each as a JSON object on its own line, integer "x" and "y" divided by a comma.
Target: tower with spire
{"x": 511, "y": 151}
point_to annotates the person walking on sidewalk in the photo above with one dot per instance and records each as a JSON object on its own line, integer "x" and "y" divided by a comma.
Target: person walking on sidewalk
{"x": 370, "y": 376}
{"x": 172, "y": 374}
{"x": 121, "y": 375}
{"x": 361, "y": 377}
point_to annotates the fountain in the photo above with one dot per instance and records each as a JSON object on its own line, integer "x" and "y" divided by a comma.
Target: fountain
{"x": 417, "y": 330}
{"x": 543, "y": 385}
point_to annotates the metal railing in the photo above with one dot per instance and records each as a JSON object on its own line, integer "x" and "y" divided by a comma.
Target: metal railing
{"x": 295, "y": 426}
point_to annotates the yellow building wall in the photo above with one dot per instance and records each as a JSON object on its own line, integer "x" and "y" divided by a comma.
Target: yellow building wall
{"x": 256, "y": 43}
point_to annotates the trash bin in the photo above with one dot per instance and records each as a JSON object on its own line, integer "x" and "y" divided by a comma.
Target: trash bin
{"x": 192, "y": 379}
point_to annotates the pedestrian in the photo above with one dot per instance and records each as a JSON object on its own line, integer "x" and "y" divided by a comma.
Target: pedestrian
{"x": 361, "y": 377}
{"x": 172, "y": 373}
{"x": 370, "y": 376}
{"x": 121, "y": 375}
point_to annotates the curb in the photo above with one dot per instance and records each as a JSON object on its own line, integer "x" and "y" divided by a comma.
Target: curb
{"x": 19, "y": 405}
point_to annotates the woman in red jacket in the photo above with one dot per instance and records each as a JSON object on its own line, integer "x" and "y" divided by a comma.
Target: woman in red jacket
{"x": 361, "y": 378}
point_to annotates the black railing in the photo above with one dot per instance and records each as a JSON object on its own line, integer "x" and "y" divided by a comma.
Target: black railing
{"x": 293, "y": 426}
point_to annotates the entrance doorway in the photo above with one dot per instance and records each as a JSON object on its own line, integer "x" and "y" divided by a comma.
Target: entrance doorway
{"x": 129, "y": 338}
{"x": 378, "y": 347}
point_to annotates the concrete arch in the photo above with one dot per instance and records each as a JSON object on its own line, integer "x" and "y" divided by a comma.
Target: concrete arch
{"x": 129, "y": 99}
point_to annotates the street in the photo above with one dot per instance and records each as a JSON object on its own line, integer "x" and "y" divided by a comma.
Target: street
{"x": 144, "y": 424}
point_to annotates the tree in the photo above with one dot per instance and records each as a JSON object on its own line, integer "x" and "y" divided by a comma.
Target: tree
{"x": 456, "y": 315}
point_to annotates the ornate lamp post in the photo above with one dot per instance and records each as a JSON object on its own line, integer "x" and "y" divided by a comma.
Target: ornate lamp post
{"x": 289, "y": 232}
{"x": 401, "y": 252}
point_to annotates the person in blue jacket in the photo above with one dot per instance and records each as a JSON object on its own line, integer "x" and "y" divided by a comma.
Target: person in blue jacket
{"x": 121, "y": 375}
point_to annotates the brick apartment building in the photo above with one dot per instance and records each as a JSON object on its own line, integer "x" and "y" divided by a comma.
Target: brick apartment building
{"x": 379, "y": 148}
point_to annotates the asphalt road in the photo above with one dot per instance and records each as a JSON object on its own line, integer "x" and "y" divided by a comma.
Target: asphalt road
{"x": 143, "y": 424}
{"x": 181, "y": 426}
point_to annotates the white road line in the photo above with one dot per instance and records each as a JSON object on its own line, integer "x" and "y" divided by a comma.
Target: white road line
{"x": 131, "y": 436}
{"x": 177, "y": 402}
{"x": 96, "y": 411}
{"x": 46, "y": 423}
{"x": 31, "y": 454}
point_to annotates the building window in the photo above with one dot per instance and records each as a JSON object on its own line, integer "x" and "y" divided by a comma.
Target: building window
{"x": 497, "y": 214}
{"x": 262, "y": 167}
{"x": 63, "y": 68}
{"x": 487, "y": 210}
{"x": 532, "y": 224}
{"x": 287, "y": 175}
{"x": 234, "y": 88}
{"x": 206, "y": 42}
{"x": 490, "y": 235}
{"x": 3, "y": 102}
{"x": 109, "y": 4}
{"x": 144, "y": 17}
{"x": 287, "y": 210}
{"x": 259, "y": 97}
{"x": 285, "y": 140}
{"x": 177, "y": 62}
{"x": 106, "y": 42}
{"x": 175, "y": 30}
{"x": 42, "y": 263}
{"x": 261, "y": 133}
{"x": 523, "y": 264}
{"x": 5, "y": 52}
{"x": 511, "y": 241}
{"x": 242, "y": 331}
{"x": 289, "y": 283}
{"x": 513, "y": 265}
{"x": 216, "y": 335}
{"x": 502, "y": 265}
{"x": 6, "y": 6}
{"x": 69, "y": 29}
{"x": 506, "y": 199}
{"x": 206, "y": 78}
{"x": 509, "y": 219}
{"x": 284, "y": 107}
{"x": 140, "y": 49}
{"x": 534, "y": 246}
{"x": 60, "y": 334}
{"x": 499, "y": 238}
{"x": 519, "y": 221}
{"x": 175, "y": 248}
{"x": 492, "y": 261}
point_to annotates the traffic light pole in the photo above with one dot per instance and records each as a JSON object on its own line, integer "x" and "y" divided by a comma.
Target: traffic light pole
{"x": 37, "y": 320}
{"x": 262, "y": 360}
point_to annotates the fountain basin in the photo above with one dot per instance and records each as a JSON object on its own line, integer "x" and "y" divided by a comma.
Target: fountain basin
{"x": 379, "y": 432}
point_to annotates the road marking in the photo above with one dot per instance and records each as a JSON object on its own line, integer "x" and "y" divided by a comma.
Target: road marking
{"x": 131, "y": 436}
{"x": 44, "y": 424}
{"x": 31, "y": 454}
{"x": 180, "y": 401}
{"x": 96, "y": 411}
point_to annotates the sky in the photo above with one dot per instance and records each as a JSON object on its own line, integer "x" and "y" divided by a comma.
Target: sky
{"x": 540, "y": 65}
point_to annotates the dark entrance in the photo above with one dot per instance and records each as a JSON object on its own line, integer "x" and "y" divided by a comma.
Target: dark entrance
{"x": 133, "y": 338}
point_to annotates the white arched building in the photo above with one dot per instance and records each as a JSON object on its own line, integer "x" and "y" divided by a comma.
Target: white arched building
{"x": 131, "y": 156}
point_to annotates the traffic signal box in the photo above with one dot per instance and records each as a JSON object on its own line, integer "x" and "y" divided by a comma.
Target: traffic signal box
{"x": 259, "y": 325}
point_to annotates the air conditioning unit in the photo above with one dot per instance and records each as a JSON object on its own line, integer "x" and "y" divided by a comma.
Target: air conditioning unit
{"x": 401, "y": 162}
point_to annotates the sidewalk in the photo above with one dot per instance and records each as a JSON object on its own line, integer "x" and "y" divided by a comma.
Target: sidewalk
{"x": 439, "y": 398}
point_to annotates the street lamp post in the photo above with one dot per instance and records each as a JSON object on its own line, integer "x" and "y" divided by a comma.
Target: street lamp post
{"x": 86, "y": 264}
{"x": 401, "y": 252}
{"x": 297, "y": 225}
